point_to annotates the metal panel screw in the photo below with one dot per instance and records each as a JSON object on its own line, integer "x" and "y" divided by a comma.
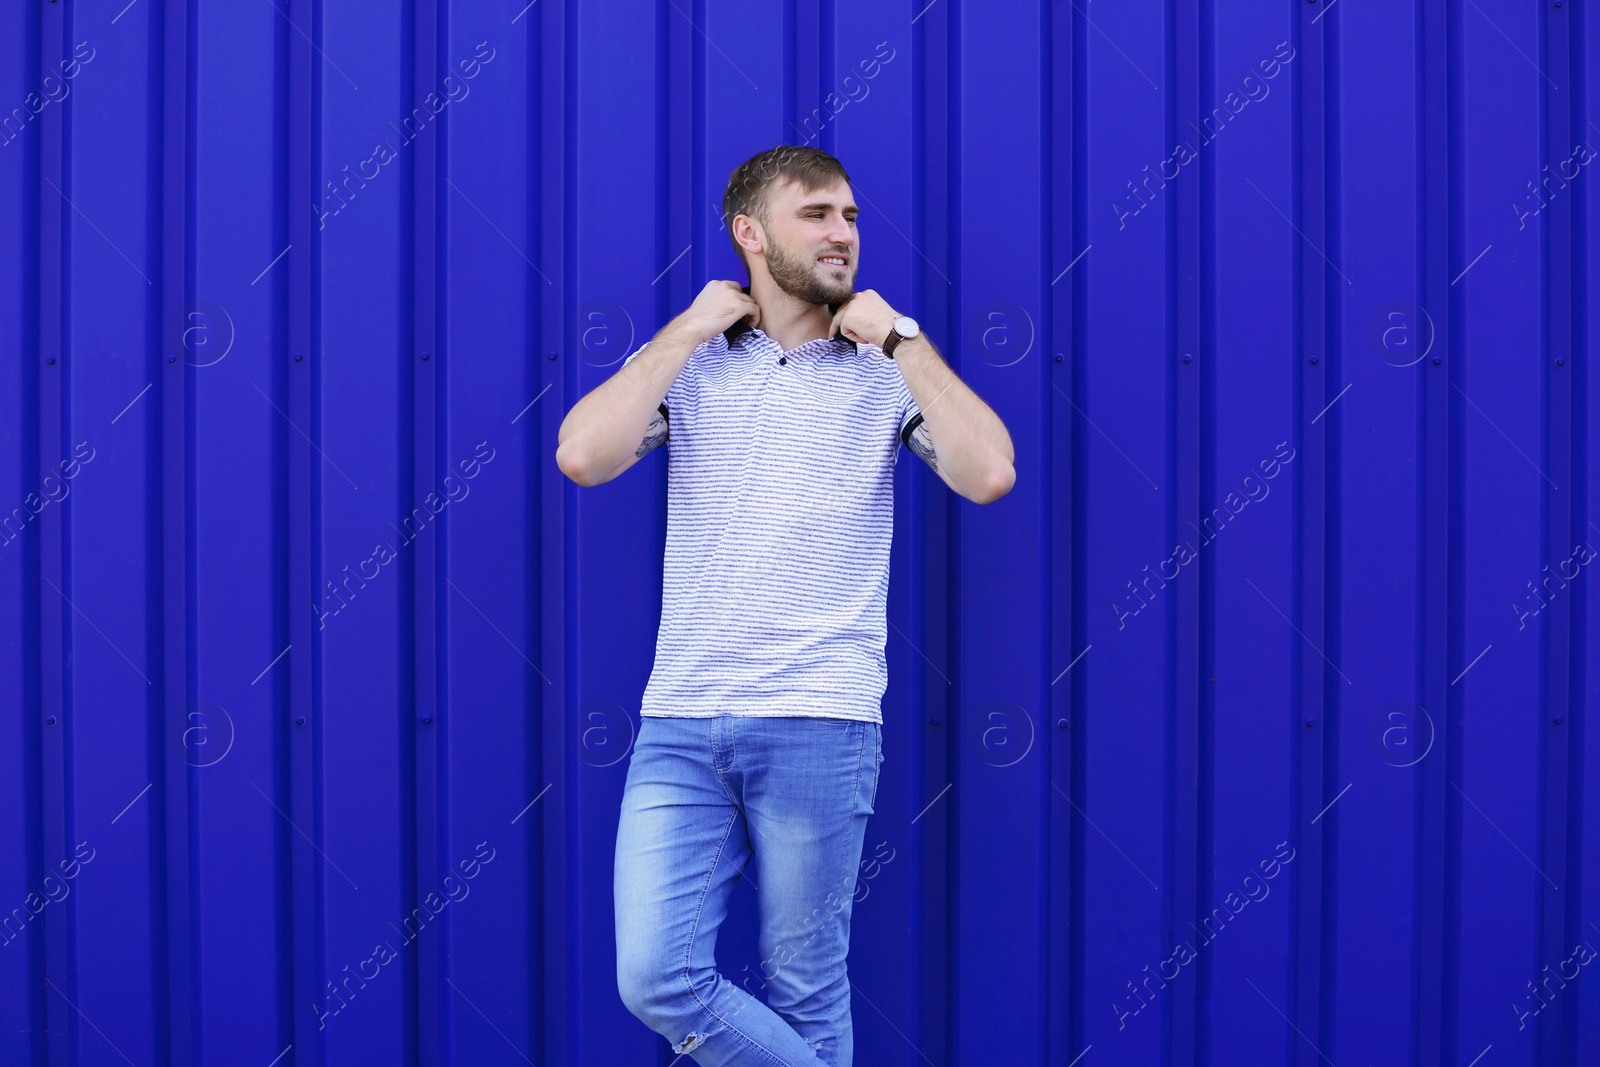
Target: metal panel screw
{"x": 933, "y": 722}
{"x": 1560, "y": 360}
{"x": 427, "y": 718}
{"x": 1061, "y": 724}
{"x": 551, "y": 355}
{"x": 298, "y": 357}
{"x": 1060, "y": 357}
{"x": 1310, "y": 723}
{"x": 1313, "y": 359}
{"x": 1558, "y": 721}
{"x": 301, "y": 721}
{"x": 172, "y": 359}
{"x": 1438, "y": 359}
{"x": 51, "y": 721}
{"x": 51, "y": 360}
{"x": 424, "y": 357}
{"x": 1187, "y": 358}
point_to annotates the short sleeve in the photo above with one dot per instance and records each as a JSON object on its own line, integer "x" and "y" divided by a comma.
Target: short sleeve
{"x": 676, "y": 392}
{"x": 910, "y": 414}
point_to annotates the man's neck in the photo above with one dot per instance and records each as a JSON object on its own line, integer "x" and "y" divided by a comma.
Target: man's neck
{"x": 789, "y": 321}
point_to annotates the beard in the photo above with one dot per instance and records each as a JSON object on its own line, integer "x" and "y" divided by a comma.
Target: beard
{"x": 797, "y": 275}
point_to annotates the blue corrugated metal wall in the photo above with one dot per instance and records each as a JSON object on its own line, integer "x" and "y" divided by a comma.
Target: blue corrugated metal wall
{"x": 1249, "y": 728}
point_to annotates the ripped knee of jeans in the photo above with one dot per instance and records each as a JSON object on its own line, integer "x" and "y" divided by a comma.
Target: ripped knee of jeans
{"x": 691, "y": 1042}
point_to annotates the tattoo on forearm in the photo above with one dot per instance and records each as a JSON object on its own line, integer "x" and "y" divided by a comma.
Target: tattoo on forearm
{"x": 922, "y": 445}
{"x": 654, "y": 435}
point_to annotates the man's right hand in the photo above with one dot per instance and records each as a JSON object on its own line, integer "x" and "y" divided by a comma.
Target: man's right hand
{"x": 610, "y": 428}
{"x": 720, "y": 304}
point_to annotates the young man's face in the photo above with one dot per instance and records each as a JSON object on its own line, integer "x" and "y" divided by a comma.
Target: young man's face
{"x": 809, "y": 234}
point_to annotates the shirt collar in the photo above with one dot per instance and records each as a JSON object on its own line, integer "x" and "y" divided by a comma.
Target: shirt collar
{"x": 733, "y": 333}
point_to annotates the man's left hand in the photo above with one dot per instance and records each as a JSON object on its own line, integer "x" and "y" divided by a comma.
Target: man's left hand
{"x": 866, "y": 318}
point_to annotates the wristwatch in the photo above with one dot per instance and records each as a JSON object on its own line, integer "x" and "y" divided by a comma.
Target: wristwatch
{"x": 905, "y": 328}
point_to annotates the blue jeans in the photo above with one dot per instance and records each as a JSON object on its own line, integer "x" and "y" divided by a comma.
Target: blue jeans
{"x": 782, "y": 802}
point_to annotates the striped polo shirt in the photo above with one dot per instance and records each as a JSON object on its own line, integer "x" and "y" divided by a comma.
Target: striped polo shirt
{"x": 780, "y": 513}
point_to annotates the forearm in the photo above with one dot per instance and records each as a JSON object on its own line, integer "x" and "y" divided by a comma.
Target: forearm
{"x": 972, "y": 447}
{"x": 618, "y": 421}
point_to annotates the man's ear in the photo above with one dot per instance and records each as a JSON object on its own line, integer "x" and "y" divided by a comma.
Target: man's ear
{"x": 753, "y": 228}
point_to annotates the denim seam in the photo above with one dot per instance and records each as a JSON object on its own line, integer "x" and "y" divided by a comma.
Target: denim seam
{"x": 861, "y": 757}
{"x": 733, "y": 754}
{"x": 861, "y": 753}
{"x": 878, "y": 763}
{"x": 694, "y": 929}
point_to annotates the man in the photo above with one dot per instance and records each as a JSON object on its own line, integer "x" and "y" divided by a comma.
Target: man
{"x": 783, "y": 405}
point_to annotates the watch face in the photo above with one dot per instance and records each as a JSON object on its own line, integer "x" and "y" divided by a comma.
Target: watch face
{"x": 906, "y": 326}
